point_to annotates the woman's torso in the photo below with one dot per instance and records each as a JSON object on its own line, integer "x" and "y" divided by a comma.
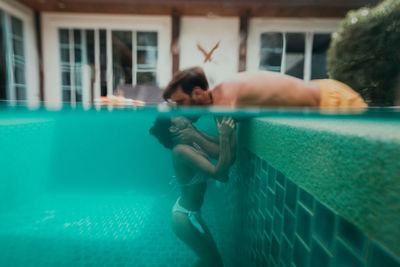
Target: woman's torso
{"x": 192, "y": 183}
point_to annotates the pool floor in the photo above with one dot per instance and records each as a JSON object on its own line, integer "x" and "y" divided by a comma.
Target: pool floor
{"x": 130, "y": 229}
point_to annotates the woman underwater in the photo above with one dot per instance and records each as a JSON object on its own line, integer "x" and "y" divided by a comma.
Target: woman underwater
{"x": 192, "y": 169}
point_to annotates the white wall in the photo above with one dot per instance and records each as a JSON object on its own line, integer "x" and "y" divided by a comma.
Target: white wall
{"x": 53, "y": 21}
{"x": 30, "y": 50}
{"x": 207, "y": 32}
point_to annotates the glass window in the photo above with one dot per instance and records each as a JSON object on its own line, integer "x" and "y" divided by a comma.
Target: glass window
{"x": 271, "y": 51}
{"x": 103, "y": 62}
{"x": 146, "y": 58}
{"x": 134, "y": 60}
{"x": 3, "y": 66}
{"x": 320, "y": 46}
{"x": 66, "y": 93}
{"x": 76, "y": 51}
{"x": 18, "y": 58}
{"x": 291, "y": 48}
{"x": 64, "y": 54}
{"x": 122, "y": 58}
{"x": 295, "y": 47}
{"x": 63, "y": 36}
{"x": 66, "y": 78}
{"x": 147, "y": 39}
{"x": 90, "y": 46}
{"x": 16, "y": 26}
{"x": 20, "y": 92}
{"x": 146, "y": 77}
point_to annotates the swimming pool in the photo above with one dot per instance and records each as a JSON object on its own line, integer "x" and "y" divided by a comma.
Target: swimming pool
{"x": 92, "y": 188}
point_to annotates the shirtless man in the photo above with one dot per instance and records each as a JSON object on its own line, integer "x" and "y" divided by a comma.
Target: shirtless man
{"x": 260, "y": 88}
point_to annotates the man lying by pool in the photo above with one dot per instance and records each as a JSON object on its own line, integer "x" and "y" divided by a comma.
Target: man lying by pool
{"x": 189, "y": 87}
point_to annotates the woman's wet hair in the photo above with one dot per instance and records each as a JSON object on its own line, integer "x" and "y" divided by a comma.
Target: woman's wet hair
{"x": 160, "y": 130}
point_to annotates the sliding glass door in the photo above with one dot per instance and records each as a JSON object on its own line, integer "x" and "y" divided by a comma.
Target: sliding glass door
{"x": 12, "y": 58}
{"x": 98, "y": 62}
{"x": 299, "y": 54}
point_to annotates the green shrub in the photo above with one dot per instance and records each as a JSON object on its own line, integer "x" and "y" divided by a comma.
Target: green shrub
{"x": 365, "y": 52}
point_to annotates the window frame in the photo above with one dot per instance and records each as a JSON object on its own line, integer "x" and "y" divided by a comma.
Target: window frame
{"x": 52, "y": 22}
{"x": 29, "y": 50}
{"x": 11, "y": 58}
{"x": 309, "y": 27}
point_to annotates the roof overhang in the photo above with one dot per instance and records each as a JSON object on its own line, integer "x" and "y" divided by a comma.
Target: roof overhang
{"x": 257, "y": 8}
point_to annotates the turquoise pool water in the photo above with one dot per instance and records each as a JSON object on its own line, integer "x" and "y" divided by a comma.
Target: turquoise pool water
{"x": 93, "y": 188}
{"x": 87, "y": 188}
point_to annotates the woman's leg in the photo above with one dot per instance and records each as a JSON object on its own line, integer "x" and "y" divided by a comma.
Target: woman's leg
{"x": 202, "y": 244}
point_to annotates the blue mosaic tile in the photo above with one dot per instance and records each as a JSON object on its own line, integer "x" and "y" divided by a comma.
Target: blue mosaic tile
{"x": 270, "y": 201}
{"x": 260, "y": 223}
{"x": 264, "y": 181}
{"x": 301, "y": 253}
{"x": 286, "y": 251}
{"x": 271, "y": 178}
{"x": 324, "y": 224}
{"x": 379, "y": 256}
{"x": 280, "y": 178}
{"x": 257, "y": 165}
{"x": 353, "y": 236}
{"x": 275, "y": 249}
{"x": 94, "y": 230}
{"x": 306, "y": 199}
{"x": 277, "y": 224}
{"x": 268, "y": 224}
{"x": 256, "y": 205}
{"x": 267, "y": 246}
{"x": 257, "y": 183}
{"x": 289, "y": 221}
{"x": 259, "y": 243}
{"x": 262, "y": 260}
{"x": 291, "y": 195}
{"x": 319, "y": 255}
{"x": 303, "y": 228}
{"x": 345, "y": 257}
{"x": 279, "y": 197}
{"x": 289, "y": 227}
{"x": 264, "y": 165}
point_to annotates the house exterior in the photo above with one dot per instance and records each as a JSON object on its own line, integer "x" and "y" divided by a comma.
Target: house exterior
{"x": 76, "y": 51}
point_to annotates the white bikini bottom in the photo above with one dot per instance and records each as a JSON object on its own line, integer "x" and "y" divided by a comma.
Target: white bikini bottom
{"x": 193, "y": 216}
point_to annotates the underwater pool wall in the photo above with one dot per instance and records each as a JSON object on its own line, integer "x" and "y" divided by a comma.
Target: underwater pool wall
{"x": 313, "y": 192}
{"x": 25, "y": 155}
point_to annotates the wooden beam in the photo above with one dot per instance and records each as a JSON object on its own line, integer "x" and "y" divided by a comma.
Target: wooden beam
{"x": 243, "y": 33}
{"x": 176, "y": 27}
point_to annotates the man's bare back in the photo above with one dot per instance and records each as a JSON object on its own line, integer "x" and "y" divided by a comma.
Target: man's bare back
{"x": 265, "y": 88}
{"x": 189, "y": 87}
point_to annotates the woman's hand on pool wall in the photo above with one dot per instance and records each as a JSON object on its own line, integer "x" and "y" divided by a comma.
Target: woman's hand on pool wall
{"x": 225, "y": 126}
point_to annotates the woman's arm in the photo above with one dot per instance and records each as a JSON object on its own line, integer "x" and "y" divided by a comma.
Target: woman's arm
{"x": 192, "y": 135}
{"x": 210, "y": 144}
{"x": 194, "y": 160}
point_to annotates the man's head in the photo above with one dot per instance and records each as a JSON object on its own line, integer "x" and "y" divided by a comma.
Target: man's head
{"x": 188, "y": 87}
